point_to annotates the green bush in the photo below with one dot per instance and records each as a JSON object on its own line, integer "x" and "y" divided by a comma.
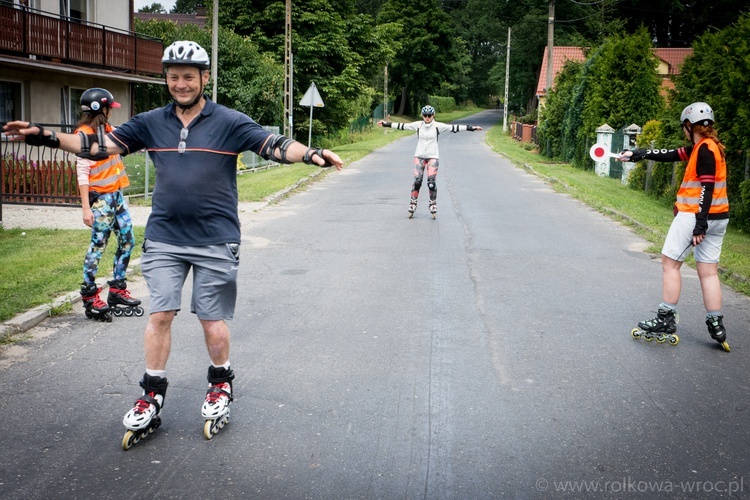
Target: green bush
{"x": 740, "y": 209}
{"x": 637, "y": 179}
{"x": 442, "y": 104}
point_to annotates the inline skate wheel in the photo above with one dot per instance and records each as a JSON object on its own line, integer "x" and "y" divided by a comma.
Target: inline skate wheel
{"x": 660, "y": 339}
{"x": 208, "y": 429}
{"x": 117, "y": 312}
{"x": 129, "y": 439}
{"x": 725, "y": 346}
{"x": 674, "y": 340}
{"x": 139, "y": 311}
{"x": 636, "y": 333}
{"x": 128, "y": 312}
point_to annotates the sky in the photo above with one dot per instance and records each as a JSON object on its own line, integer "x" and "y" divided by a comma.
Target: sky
{"x": 167, "y": 4}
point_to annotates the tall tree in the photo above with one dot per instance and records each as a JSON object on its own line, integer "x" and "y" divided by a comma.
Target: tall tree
{"x": 718, "y": 73}
{"x": 677, "y": 23}
{"x": 426, "y": 56}
{"x": 621, "y": 98}
{"x": 154, "y": 8}
{"x": 333, "y": 46}
{"x": 190, "y": 6}
{"x": 551, "y": 122}
{"x": 248, "y": 81}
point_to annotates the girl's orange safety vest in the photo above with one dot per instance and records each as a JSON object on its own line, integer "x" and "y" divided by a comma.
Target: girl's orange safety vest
{"x": 108, "y": 175}
{"x": 688, "y": 196}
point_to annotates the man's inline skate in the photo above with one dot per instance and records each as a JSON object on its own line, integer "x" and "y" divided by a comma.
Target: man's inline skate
{"x": 143, "y": 418}
{"x": 433, "y": 209}
{"x": 218, "y": 397}
{"x": 120, "y": 302}
{"x": 412, "y": 207}
{"x": 717, "y": 331}
{"x": 93, "y": 306}
{"x": 662, "y": 327}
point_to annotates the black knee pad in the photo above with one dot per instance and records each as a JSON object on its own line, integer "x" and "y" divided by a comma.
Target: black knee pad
{"x": 431, "y": 183}
{"x": 417, "y": 183}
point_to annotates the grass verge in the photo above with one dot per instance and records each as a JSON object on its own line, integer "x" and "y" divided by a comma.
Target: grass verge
{"x": 649, "y": 216}
{"x": 39, "y": 265}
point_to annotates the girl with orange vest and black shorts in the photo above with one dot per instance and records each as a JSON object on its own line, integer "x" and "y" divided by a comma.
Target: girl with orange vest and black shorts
{"x": 701, "y": 218}
{"x": 100, "y": 183}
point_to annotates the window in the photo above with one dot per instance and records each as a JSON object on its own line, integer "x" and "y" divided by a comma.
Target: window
{"x": 74, "y": 9}
{"x": 70, "y": 105}
{"x": 11, "y": 101}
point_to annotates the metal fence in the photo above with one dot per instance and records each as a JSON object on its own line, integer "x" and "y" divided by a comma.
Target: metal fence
{"x": 382, "y": 111}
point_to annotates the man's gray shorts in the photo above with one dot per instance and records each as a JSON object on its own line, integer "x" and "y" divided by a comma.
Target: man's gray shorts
{"x": 166, "y": 267}
{"x": 678, "y": 242}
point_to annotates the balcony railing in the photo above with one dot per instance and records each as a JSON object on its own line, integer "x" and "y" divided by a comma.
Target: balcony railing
{"x": 28, "y": 32}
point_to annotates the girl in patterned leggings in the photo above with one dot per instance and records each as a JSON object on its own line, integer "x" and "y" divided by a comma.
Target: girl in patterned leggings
{"x": 100, "y": 182}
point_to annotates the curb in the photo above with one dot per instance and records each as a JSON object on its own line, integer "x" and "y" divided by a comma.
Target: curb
{"x": 31, "y": 318}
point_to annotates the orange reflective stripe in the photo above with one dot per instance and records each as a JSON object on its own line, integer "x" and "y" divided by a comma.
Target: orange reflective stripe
{"x": 107, "y": 175}
{"x": 688, "y": 196}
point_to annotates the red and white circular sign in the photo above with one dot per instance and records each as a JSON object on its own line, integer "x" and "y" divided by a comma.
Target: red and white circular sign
{"x": 598, "y": 152}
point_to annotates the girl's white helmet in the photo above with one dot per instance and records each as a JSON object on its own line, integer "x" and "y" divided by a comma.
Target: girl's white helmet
{"x": 186, "y": 53}
{"x": 698, "y": 113}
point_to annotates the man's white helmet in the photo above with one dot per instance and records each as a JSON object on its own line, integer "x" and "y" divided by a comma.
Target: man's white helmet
{"x": 698, "y": 113}
{"x": 186, "y": 53}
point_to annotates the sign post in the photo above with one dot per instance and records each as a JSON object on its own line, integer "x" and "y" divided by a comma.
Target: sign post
{"x": 311, "y": 98}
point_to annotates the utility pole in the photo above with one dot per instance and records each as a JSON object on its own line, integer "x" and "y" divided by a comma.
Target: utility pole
{"x": 550, "y": 45}
{"x": 385, "y": 93}
{"x": 287, "y": 128}
{"x": 507, "y": 79}
{"x": 215, "y": 50}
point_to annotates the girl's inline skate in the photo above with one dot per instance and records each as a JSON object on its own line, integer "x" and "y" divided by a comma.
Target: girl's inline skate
{"x": 717, "y": 331}
{"x": 662, "y": 327}
{"x": 412, "y": 207}
{"x": 143, "y": 418}
{"x": 433, "y": 209}
{"x": 218, "y": 397}
{"x": 93, "y": 306}
{"x": 120, "y": 302}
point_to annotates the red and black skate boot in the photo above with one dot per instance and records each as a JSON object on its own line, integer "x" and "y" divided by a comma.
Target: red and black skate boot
{"x": 94, "y": 307}
{"x": 121, "y": 302}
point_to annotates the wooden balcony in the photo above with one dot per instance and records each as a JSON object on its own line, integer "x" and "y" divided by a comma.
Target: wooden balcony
{"x": 26, "y": 32}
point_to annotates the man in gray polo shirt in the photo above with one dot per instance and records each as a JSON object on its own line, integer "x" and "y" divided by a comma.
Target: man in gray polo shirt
{"x": 194, "y": 222}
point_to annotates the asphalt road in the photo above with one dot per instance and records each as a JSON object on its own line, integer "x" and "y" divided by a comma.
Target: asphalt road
{"x": 485, "y": 354}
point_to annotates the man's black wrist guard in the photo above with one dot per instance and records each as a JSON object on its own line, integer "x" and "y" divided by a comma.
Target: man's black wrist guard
{"x": 307, "y": 159}
{"x": 50, "y": 141}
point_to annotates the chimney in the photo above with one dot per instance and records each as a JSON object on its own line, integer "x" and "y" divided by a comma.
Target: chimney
{"x": 200, "y": 11}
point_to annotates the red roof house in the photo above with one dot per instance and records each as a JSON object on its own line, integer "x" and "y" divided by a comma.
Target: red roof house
{"x": 670, "y": 62}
